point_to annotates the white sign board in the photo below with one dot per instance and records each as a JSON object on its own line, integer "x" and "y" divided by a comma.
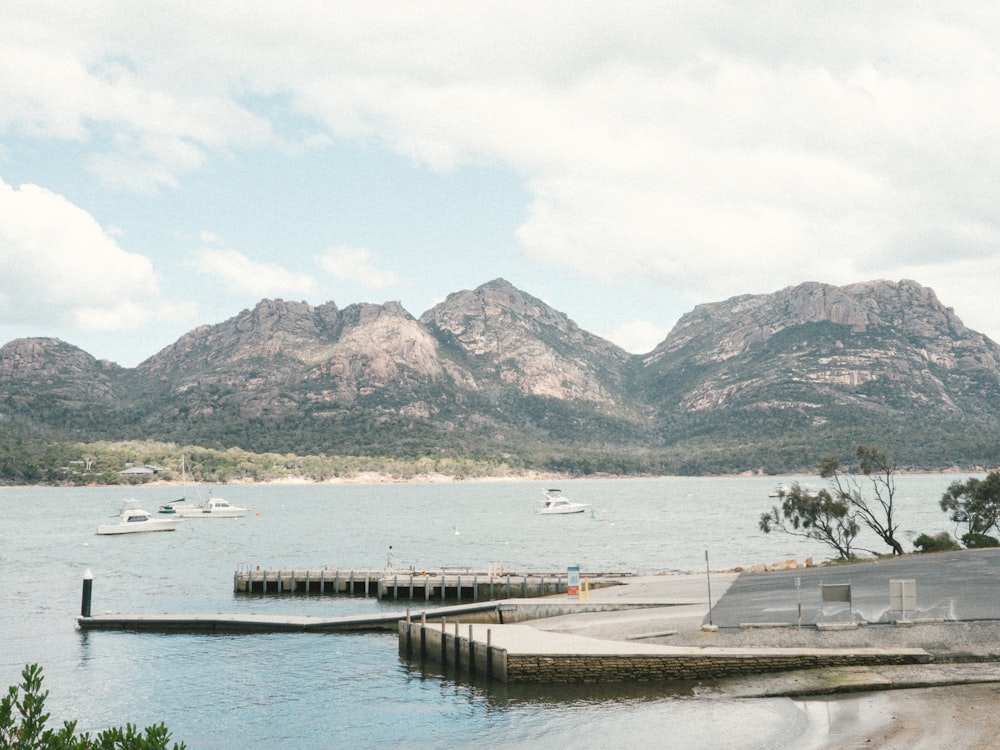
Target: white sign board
{"x": 902, "y": 596}
{"x": 573, "y": 580}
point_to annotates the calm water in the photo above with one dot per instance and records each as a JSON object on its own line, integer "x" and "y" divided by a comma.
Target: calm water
{"x": 321, "y": 691}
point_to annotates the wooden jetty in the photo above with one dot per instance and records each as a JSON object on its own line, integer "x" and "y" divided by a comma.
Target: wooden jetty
{"x": 448, "y": 585}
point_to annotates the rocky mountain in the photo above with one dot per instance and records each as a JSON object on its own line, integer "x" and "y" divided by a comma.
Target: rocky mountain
{"x": 758, "y": 382}
{"x": 876, "y": 343}
{"x": 500, "y": 332}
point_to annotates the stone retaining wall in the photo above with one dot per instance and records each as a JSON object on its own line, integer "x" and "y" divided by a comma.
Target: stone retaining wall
{"x": 453, "y": 652}
{"x": 650, "y": 668}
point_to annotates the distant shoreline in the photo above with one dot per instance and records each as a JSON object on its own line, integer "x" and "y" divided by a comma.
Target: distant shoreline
{"x": 375, "y": 477}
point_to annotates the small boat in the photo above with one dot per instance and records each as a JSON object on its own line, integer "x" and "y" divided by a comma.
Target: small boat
{"x": 784, "y": 490}
{"x": 555, "y": 503}
{"x": 216, "y": 507}
{"x": 133, "y": 520}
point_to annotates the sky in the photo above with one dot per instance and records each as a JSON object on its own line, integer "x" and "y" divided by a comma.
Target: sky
{"x": 165, "y": 165}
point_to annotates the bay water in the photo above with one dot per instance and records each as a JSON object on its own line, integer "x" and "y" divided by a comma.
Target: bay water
{"x": 353, "y": 690}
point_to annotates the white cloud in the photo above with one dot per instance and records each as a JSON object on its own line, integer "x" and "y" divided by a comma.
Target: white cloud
{"x": 59, "y": 266}
{"x": 355, "y": 264}
{"x": 241, "y": 275}
{"x": 638, "y": 336}
{"x": 711, "y": 148}
{"x": 130, "y": 316}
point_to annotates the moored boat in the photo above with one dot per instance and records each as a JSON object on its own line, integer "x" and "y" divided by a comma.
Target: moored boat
{"x": 216, "y": 507}
{"x": 555, "y": 503}
{"x": 133, "y": 520}
{"x": 784, "y": 490}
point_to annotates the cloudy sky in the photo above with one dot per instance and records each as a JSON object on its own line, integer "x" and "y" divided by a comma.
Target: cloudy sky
{"x": 168, "y": 164}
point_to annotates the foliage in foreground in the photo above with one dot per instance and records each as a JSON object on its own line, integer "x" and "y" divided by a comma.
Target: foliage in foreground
{"x": 877, "y": 512}
{"x": 23, "y": 724}
{"x": 835, "y": 515}
{"x": 975, "y": 503}
{"x": 819, "y": 516}
{"x": 941, "y": 542}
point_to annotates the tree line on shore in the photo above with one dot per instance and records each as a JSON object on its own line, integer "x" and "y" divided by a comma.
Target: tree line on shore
{"x": 863, "y": 495}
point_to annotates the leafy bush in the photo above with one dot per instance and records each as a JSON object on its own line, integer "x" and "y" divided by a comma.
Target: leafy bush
{"x": 23, "y": 720}
{"x": 974, "y": 541}
{"x": 942, "y": 542}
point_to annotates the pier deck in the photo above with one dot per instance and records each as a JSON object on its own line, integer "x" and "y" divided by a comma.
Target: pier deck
{"x": 447, "y": 585}
{"x": 512, "y": 611}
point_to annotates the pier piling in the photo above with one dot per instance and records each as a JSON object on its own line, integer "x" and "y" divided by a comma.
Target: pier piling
{"x": 88, "y": 590}
{"x": 448, "y": 585}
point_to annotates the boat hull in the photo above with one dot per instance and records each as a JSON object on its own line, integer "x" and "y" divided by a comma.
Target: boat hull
{"x": 213, "y": 513}
{"x": 561, "y": 511}
{"x": 144, "y": 527}
{"x": 216, "y": 508}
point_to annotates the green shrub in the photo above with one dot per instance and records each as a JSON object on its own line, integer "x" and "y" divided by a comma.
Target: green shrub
{"x": 23, "y": 720}
{"x": 942, "y": 542}
{"x": 974, "y": 541}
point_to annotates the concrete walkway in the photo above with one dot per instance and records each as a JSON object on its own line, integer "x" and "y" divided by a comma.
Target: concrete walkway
{"x": 964, "y": 652}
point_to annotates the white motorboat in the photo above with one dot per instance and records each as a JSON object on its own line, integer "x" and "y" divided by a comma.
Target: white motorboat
{"x": 784, "y": 490}
{"x": 555, "y": 503}
{"x": 133, "y": 520}
{"x": 216, "y": 507}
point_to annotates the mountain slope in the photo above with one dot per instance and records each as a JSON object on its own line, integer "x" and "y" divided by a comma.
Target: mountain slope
{"x": 504, "y": 333}
{"x": 754, "y": 383}
{"x": 878, "y": 343}
{"x": 817, "y": 365}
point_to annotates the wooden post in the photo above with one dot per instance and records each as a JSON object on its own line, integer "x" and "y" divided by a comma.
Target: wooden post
{"x": 489, "y": 654}
{"x": 472, "y": 653}
{"x": 423, "y": 636}
{"x": 88, "y": 591}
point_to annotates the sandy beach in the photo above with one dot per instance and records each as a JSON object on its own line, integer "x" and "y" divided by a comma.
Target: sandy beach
{"x": 953, "y": 716}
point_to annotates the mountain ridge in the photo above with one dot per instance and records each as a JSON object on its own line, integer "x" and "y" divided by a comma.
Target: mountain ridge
{"x": 753, "y": 382}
